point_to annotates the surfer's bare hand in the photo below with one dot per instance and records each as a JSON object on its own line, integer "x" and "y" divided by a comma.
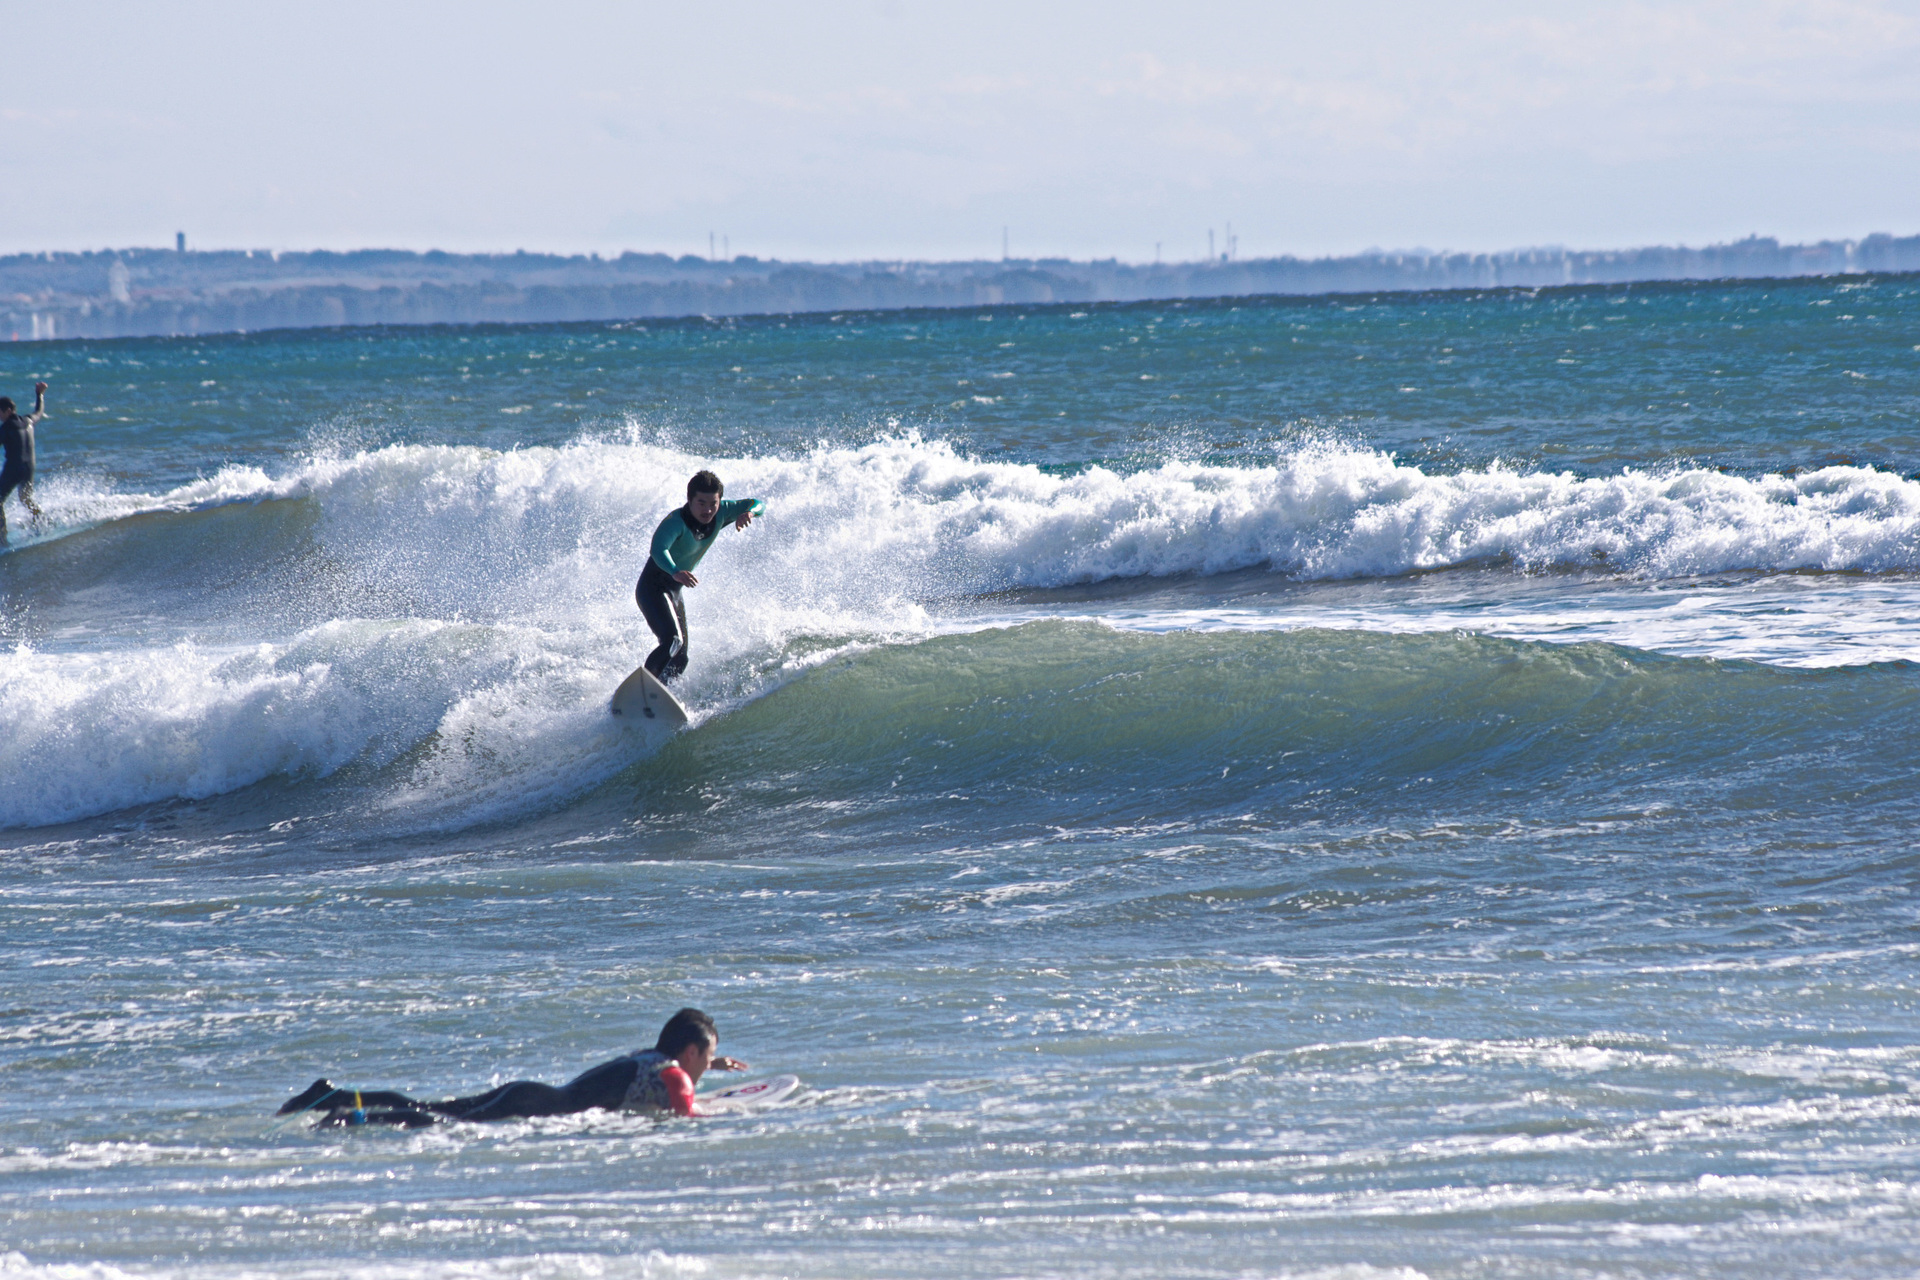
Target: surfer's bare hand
{"x": 39, "y": 388}
{"x": 746, "y": 518}
{"x": 729, "y": 1064}
{"x": 685, "y": 579}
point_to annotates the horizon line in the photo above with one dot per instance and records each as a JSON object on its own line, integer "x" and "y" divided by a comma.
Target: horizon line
{"x": 1372, "y": 251}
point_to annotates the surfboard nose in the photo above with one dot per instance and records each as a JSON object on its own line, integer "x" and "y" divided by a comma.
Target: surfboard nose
{"x": 642, "y": 692}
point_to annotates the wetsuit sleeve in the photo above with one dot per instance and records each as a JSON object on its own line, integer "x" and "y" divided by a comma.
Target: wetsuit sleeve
{"x": 679, "y": 1090}
{"x": 731, "y": 511}
{"x": 663, "y": 539}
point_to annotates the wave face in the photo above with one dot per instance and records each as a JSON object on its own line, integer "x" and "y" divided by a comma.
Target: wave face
{"x": 1002, "y": 730}
{"x": 431, "y": 602}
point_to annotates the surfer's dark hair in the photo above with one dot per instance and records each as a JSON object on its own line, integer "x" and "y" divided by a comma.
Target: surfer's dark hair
{"x": 7, "y": 406}
{"x": 689, "y": 1026}
{"x": 705, "y": 482}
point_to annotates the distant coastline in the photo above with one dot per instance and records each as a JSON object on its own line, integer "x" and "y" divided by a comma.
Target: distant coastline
{"x": 153, "y": 292}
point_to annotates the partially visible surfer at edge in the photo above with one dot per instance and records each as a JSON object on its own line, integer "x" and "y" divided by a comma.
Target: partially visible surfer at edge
{"x": 16, "y": 438}
{"x": 660, "y": 1079}
{"x": 680, "y": 542}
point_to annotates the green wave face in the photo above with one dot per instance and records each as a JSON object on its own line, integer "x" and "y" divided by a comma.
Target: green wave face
{"x": 1062, "y": 725}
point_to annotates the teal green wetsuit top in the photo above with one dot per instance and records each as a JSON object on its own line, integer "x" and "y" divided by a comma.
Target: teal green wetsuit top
{"x": 676, "y": 548}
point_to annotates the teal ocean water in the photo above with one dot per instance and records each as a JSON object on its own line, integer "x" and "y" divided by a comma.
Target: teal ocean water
{"x": 1399, "y": 786}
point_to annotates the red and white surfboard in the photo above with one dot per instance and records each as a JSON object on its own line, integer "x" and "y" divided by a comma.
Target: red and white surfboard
{"x": 750, "y": 1096}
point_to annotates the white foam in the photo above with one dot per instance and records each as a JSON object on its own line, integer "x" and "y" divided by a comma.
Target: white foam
{"x": 1333, "y": 512}
{"x": 1781, "y": 620}
{"x": 651, "y": 1265}
{"x": 70, "y": 501}
{"x": 901, "y": 508}
{"x": 90, "y": 732}
{"x": 485, "y": 607}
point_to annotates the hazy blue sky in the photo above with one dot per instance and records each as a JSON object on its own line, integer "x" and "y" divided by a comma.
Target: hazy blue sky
{"x": 886, "y": 128}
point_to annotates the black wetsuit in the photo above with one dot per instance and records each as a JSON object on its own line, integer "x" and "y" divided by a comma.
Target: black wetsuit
{"x": 611, "y": 1086}
{"x": 679, "y": 543}
{"x": 16, "y": 437}
{"x": 666, "y": 613}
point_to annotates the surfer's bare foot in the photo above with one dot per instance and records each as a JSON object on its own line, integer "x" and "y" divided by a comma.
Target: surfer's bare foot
{"x": 311, "y": 1094}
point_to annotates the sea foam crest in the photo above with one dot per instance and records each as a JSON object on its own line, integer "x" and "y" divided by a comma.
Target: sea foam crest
{"x": 1334, "y": 512}
{"x": 908, "y": 517}
{"x": 922, "y": 517}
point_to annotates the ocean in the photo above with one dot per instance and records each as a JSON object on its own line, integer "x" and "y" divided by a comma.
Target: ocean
{"x": 1392, "y": 786}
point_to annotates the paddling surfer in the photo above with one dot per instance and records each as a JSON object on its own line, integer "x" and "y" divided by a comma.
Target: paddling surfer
{"x": 16, "y": 438}
{"x": 680, "y": 542}
{"x": 658, "y": 1079}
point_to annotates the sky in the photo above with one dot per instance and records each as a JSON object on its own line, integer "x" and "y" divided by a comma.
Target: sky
{"x": 883, "y": 129}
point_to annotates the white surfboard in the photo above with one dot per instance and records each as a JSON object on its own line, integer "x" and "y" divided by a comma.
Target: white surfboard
{"x": 748, "y": 1097}
{"x": 642, "y": 699}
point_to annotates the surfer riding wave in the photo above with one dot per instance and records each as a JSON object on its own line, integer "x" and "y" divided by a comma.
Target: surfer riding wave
{"x": 16, "y": 438}
{"x": 679, "y": 544}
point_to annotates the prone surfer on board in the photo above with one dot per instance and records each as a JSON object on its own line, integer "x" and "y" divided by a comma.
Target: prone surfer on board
{"x": 657, "y": 1079}
{"x": 678, "y": 545}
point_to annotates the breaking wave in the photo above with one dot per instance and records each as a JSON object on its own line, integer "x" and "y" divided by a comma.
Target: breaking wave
{"x": 447, "y": 621}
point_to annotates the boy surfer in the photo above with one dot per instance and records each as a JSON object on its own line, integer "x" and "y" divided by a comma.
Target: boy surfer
{"x": 680, "y": 542}
{"x": 657, "y": 1079}
{"x": 16, "y": 438}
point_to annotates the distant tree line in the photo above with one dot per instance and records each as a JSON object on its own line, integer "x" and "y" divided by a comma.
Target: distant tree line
{"x": 143, "y": 292}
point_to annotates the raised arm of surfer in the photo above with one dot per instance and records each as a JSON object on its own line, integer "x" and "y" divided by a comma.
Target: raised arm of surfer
{"x": 679, "y": 544}
{"x": 658, "y": 1079}
{"x": 16, "y": 438}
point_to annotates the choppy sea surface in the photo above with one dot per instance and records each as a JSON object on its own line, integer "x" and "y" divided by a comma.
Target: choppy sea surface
{"x": 1399, "y": 786}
